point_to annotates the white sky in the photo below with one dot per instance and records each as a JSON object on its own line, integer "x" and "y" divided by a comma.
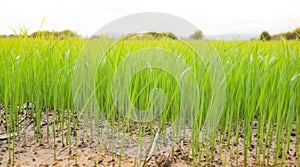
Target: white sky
{"x": 211, "y": 16}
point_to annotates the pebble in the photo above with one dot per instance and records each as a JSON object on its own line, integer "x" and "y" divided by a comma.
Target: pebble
{"x": 293, "y": 133}
{"x": 251, "y": 148}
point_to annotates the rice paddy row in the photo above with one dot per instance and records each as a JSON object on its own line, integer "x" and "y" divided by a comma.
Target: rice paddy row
{"x": 262, "y": 93}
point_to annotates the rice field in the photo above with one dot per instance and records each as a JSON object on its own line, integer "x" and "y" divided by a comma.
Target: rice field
{"x": 39, "y": 101}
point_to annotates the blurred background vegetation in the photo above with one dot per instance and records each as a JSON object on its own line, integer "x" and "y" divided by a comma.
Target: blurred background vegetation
{"x": 291, "y": 35}
{"x": 197, "y": 35}
{"x": 65, "y": 34}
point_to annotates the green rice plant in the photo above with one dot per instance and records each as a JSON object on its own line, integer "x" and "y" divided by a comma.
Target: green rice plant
{"x": 262, "y": 93}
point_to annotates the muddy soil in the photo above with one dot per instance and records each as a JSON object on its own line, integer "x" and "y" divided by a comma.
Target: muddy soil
{"x": 38, "y": 150}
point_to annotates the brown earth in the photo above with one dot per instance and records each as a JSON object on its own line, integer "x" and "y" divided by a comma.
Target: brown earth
{"x": 31, "y": 151}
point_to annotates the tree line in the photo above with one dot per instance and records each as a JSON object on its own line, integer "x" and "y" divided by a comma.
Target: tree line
{"x": 197, "y": 35}
{"x": 65, "y": 34}
{"x": 291, "y": 35}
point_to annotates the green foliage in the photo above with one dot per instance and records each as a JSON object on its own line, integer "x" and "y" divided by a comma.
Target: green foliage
{"x": 265, "y": 36}
{"x": 293, "y": 35}
{"x": 152, "y": 36}
{"x": 157, "y": 35}
{"x": 290, "y": 35}
{"x": 197, "y": 35}
{"x": 297, "y": 31}
{"x": 54, "y": 34}
{"x": 262, "y": 83}
{"x": 65, "y": 34}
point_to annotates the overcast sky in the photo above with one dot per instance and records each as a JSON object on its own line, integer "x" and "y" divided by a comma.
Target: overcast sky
{"x": 211, "y": 16}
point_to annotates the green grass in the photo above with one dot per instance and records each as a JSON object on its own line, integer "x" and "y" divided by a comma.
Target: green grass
{"x": 262, "y": 83}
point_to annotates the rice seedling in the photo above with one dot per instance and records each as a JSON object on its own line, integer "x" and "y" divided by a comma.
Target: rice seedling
{"x": 260, "y": 123}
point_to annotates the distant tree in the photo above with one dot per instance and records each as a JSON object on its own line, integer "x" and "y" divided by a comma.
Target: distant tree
{"x": 54, "y": 34}
{"x": 297, "y": 32}
{"x": 152, "y": 36}
{"x": 265, "y": 36}
{"x": 161, "y": 35}
{"x": 39, "y": 34}
{"x": 197, "y": 35}
{"x": 290, "y": 35}
{"x": 171, "y": 35}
